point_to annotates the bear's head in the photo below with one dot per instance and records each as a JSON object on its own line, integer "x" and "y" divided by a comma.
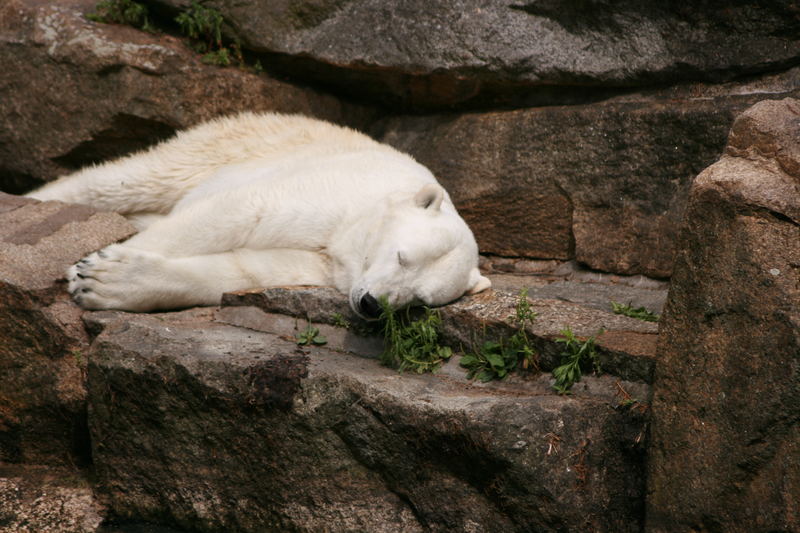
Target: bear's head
{"x": 418, "y": 252}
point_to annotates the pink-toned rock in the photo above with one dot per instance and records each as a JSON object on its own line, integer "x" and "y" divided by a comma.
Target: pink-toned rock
{"x": 43, "y": 343}
{"x": 725, "y": 454}
{"x": 36, "y": 499}
{"x": 210, "y": 427}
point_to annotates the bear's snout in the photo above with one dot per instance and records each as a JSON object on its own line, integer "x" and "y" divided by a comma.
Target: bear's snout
{"x": 369, "y": 307}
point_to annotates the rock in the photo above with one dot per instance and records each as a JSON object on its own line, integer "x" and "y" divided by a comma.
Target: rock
{"x": 202, "y": 425}
{"x": 588, "y": 294}
{"x": 36, "y": 499}
{"x": 77, "y": 92}
{"x": 473, "y": 320}
{"x": 626, "y": 346}
{"x": 725, "y": 454}
{"x": 428, "y": 54}
{"x": 43, "y": 344}
{"x": 603, "y": 183}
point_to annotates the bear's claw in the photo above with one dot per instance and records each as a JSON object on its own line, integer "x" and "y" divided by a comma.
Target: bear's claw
{"x": 112, "y": 278}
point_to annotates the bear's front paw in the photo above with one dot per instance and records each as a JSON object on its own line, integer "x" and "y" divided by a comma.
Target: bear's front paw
{"x": 116, "y": 277}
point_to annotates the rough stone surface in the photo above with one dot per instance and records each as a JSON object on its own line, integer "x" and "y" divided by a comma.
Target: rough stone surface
{"x": 489, "y": 316}
{"x": 725, "y": 454}
{"x": 604, "y": 183}
{"x": 626, "y": 346}
{"x": 78, "y": 92}
{"x": 43, "y": 344}
{"x": 198, "y": 424}
{"x": 36, "y": 499}
{"x": 595, "y": 295}
{"x": 440, "y": 53}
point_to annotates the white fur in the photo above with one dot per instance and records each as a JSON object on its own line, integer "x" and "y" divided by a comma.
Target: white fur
{"x": 268, "y": 199}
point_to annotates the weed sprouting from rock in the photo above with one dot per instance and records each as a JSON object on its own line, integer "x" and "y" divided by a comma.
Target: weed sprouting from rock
{"x": 203, "y": 24}
{"x": 412, "y": 344}
{"x": 495, "y": 359}
{"x": 127, "y": 12}
{"x": 311, "y": 337}
{"x": 576, "y": 353}
{"x": 639, "y": 313}
{"x": 340, "y": 321}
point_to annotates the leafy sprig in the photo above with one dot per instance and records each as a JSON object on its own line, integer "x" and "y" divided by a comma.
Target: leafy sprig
{"x": 311, "y": 337}
{"x": 495, "y": 359}
{"x": 412, "y": 344}
{"x": 127, "y": 12}
{"x": 576, "y": 355}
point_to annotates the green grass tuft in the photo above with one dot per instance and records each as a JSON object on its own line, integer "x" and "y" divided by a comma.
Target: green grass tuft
{"x": 412, "y": 344}
{"x": 640, "y": 313}
{"x": 203, "y": 24}
{"x": 122, "y": 12}
{"x": 340, "y": 321}
{"x": 221, "y": 58}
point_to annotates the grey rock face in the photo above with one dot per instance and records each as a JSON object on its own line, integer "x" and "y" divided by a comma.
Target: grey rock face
{"x": 210, "y": 426}
{"x": 432, "y": 53}
{"x": 726, "y": 410}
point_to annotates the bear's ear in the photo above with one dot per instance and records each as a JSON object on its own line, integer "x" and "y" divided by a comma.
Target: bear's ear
{"x": 477, "y": 282}
{"x": 429, "y": 197}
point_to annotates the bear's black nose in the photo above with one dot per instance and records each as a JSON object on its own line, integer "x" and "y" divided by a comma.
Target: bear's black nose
{"x": 370, "y": 306}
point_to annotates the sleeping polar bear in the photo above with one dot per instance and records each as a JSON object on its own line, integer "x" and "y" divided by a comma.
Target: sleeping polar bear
{"x": 259, "y": 200}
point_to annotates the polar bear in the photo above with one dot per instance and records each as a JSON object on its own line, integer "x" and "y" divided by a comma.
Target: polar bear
{"x": 256, "y": 200}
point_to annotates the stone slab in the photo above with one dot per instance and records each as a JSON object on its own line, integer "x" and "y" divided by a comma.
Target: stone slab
{"x": 197, "y": 424}
{"x": 442, "y": 54}
{"x": 470, "y": 321}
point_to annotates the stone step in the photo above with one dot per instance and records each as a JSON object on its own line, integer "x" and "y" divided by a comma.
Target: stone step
{"x": 626, "y": 346}
{"x": 200, "y": 424}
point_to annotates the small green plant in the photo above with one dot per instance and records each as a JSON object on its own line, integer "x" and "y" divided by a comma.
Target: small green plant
{"x": 221, "y": 58}
{"x": 127, "y": 12}
{"x": 640, "y": 313}
{"x": 340, "y": 321}
{"x": 412, "y": 344}
{"x": 78, "y": 356}
{"x": 576, "y": 353}
{"x": 495, "y": 359}
{"x": 203, "y": 24}
{"x": 311, "y": 337}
